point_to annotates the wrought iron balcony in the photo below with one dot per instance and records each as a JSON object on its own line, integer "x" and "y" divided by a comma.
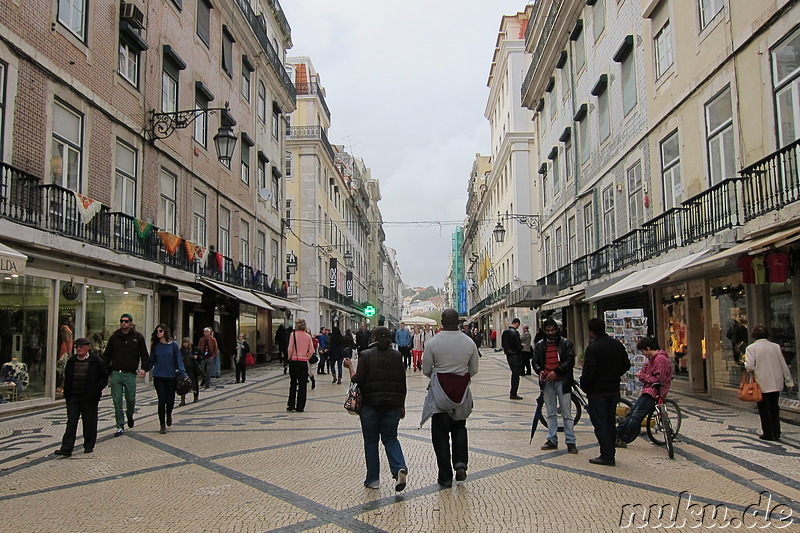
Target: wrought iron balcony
{"x": 61, "y": 216}
{"x": 540, "y": 46}
{"x": 20, "y": 196}
{"x": 313, "y": 89}
{"x": 711, "y": 211}
{"x": 663, "y": 232}
{"x": 564, "y": 276}
{"x": 628, "y": 249}
{"x": 600, "y": 261}
{"x": 772, "y": 182}
{"x": 277, "y": 10}
{"x": 311, "y": 132}
{"x": 580, "y": 269}
{"x": 335, "y": 296}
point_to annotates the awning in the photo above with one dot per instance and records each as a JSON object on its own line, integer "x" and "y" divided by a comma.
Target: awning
{"x": 237, "y": 294}
{"x": 562, "y": 301}
{"x": 12, "y": 262}
{"x": 648, "y": 276}
{"x": 188, "y": 294}
{"x": 754, "y": 246}
{"x": 280, "y": 303}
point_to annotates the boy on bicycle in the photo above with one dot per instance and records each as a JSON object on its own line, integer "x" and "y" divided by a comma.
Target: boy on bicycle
{"x": 657, "y": 369}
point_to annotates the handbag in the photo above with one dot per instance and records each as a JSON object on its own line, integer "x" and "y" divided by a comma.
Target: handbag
{"x": 749, "y": 389}
{"x": 313, "y": 359}
{"x": 353, "y": 402}
{"x": 249, "y": 359}
{"x": 183, "y": 386}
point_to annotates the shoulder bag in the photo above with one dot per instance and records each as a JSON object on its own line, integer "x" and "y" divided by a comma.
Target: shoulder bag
{"x": 353, "y": 402}
{"x": 749, "y": 389}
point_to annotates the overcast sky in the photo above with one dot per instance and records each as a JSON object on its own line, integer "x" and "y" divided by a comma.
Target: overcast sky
{"x": 406, "y": 86}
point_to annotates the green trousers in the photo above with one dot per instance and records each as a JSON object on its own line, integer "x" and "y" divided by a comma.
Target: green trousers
{"x": 123, "y": 383}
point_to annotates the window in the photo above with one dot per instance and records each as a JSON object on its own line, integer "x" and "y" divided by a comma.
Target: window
{"x": 72, "y": 15}
{"x": 565, "y": 85}
{"x": 663, "y": 50}
{"x": 609, "y": 227}
{"x": 583, "y": 139}
{"x": 261, "y": 250}
{"x": 227, "y": 51}
{"x": 276, "y": 117}
{"x": 604, "y": 115}
{"x": 67, "y": 150}
{"x": 635, "y": 196}
{"x": 719, "y": 138}
{"x": 628, "y": 84}
{"x": 262, "y": 172}
{"x": 199, "y": 219}
{"x": 786, "y": 80}
{"x": 201, "y": 122}
{"x": 548, "y": 260}
{"x": 588, "y": 222}
{"x": 125, "y": 179}
{"x": 568, "y": 160}
{"x": 287, "y": 171}
{"x": 274, "y": 258}
{"x": 580, "y": 52}
{"x": 245, "y": 152}
{"x": 553, "y": 98}
{"x": 599, "y": 18}
{"x": 2, "y": 106}
{"x": 556, "y": 172}
{"x": 244, "y": 243}
{"x": 167, "y": 213}
{"x": 544, "y": 185}
{"x": 262, "y": 102}
{"x": 288, "y": 214}
{"x": 224, "y": 244}
{"x": 572, "y": 246}
{"x": 708, "y": 9}
{"x": 247, "y": 70}
{"x": 170, "y": 76}
{"x": 276, "y": 189}
{"x": 559, "y": 248}
{"x": 204, "y": 21}
{"x": 671, "y": 171}
{"x": 128, "y": 62}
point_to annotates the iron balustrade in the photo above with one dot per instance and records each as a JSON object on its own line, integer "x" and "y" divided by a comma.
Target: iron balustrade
{"x": 542, "y": 281}
{"x": 711, "y": 211}
{"x": 277, "y": 10}
{"x": 492, "y": 298}
{"x": 580, "y": 269}
{"x": 628, "y": 248}
{"x": 663, "y": 232}
{"x": 564, "y": 276}
{"x": 20, "y": 195}
{"x": 600, "y": 261}
{"x": 551, "y": 278}
{"x": 335, "y": 296}
{"x": 313, "y": 89}
{"x": 772, "y": 182}
{"x": 540, "y": 46}
{"x": 311, "y": 132}
{"x": 127, "y": 238}
{"x": 61, "y": 215}
{"x": 179, "y": 260}
{"x": 258, "y": 26}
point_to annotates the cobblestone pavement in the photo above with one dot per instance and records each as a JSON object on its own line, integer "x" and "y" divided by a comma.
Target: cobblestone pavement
{"x": 238, "y": 461}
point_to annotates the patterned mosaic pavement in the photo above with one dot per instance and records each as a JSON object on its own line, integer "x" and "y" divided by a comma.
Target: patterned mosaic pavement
{"x": 237, "y": 461}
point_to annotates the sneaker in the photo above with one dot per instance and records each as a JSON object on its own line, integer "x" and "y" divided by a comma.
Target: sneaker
{"x": 373, "y": 484}
{"x": 619, "y": 443}
{"x": 603, "y": 462}
{"x": 461, "y": 473}
{"x": 549, "y": 445}
{"x": 62, "y": 453}
{"x": 401, "y": 480}
{"x": 130, "y": 421}
{"x": 119, "y": 432}
{"x": 571, "y": 448}
{"x": 515, "y": 397}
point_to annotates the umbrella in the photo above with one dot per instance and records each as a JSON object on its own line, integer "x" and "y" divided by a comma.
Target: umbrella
{"x": 419, "y": 320}
{"x": 537, "y": 414}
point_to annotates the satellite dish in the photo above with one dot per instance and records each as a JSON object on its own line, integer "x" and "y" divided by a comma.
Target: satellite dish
{"x": 265, "y": 194}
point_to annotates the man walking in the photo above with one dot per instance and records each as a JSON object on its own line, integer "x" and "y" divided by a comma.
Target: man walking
{"x": 512, "y": 347}
{"x": 125, "y": 352}
{"x": 606, "y": 361}
{"x": 450, "y": 359}
{"x": 553, "y": 361}
{"x": 525, "y": 338}
{"x": 362, "y": 338}
{"x": 209, "y": 350}
{"x": 403, "y": 340}
{"x": 85, "y": 377}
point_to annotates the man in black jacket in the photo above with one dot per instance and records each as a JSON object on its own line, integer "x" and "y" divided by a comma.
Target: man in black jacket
{"x": 553, "y": 361}
{"x": 512, "y": 347}
{"x": 125, "y": 351}
{"x": 363, "y": 338}
{"x": 85, "y": 377}
{"x": 606, "y": 361}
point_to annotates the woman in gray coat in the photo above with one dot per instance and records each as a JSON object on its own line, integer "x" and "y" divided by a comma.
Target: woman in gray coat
{"x": 772, "y": 373}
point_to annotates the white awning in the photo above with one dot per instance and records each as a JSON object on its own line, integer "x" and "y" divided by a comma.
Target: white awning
{"x": 755, "y": 246}
{"x": 12, "y": 262}
{"x": 648, "y": 276}
{"x": 236, "y": 293}
{"x": 280, "y": 303}
{"x": 188, "y": 294}
{"x": 562, "y": 301}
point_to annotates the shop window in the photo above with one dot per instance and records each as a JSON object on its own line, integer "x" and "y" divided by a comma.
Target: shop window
{"x": 72, "y": 15}
{"x": 729, "y": 331}
{"x": 67, "y": 148}
{"x": 167, "y": 213}
{"x": 786, "y": 82}
{"x": 781, "y": 324}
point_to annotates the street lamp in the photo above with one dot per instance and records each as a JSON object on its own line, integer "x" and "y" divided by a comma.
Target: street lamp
{"x": 499, "y": 232}
{"x": 162, "y": 125}
{"x": 348, "y": 258}
{"x": 291, "y": 263}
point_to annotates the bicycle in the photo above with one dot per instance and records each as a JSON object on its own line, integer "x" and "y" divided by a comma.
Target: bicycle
{"x": 664, "y": 423}
{"x": 579, "y": 402}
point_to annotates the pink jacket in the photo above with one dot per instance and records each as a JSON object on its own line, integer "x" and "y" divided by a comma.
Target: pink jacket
{"x": 301, "y": 346}
{"x": 656, "y": 370}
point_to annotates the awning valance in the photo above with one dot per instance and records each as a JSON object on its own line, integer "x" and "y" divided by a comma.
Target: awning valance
{"x": 562, "y": 301}
{"x": 12, "y": 262}
{"x": 188, "y": 294}
{"x": 280, "y": 303}
{"x": 236, "y": 293}
{"x": 754, "y": 246}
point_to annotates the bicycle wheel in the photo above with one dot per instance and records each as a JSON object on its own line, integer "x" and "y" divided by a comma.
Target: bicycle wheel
{"x": 666, "y": 430}
{"x": 576, "y": 408}
{"x": 624, "y": 407}
{"x": 673, "y": 414}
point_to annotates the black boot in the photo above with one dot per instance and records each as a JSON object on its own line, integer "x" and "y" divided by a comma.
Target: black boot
{"x": 195, "y": 397}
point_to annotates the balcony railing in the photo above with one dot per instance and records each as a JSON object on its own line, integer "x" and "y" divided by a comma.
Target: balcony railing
{"x": 663, "y": 232}
{"x": 313, "y": 88}
{"x": 20, "y": 196}
{"x": 491, "y": 299}
{"x": 628, "y": 249}
{"x": 277, "y": 10}
{"x": 540, "y": 46}
{"x": 600, "y": 261}
{"x": 711, "y": 211}
{"x": 311, "y": 132}
{"x": 772, "y": 182}
{"x": 580, "y": 269}
{"x": 565, "y": 276}
{"x": 335, "y": 296}
{"x": 61, "y": 215}
{"x": 257, "y": 25}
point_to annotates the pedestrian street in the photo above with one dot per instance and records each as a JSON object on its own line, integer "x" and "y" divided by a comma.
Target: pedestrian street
{"x": 238, "y": 461}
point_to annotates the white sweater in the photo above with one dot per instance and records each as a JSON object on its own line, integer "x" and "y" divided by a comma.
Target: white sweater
{"x": 450, "y": 352}
{"x": 766, "y": 359}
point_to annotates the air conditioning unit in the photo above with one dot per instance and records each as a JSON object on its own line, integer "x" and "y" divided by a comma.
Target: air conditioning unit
{"x": 131, "y": 14}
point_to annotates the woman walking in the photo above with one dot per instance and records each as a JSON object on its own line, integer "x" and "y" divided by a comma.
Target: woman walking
{"x": 167, "y": 364}
{"x": 336, "y": 353}
{"x": 242, "y": 349}
{"x": 301, "y": 348}
{"x": 381, "y": 376}
{"x": 772, "y": 373}
{"x": 191, "y": 364}
{"x": 417, "y": 346}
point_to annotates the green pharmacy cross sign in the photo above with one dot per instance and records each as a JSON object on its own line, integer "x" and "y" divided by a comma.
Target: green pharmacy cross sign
{"x": 369, "y": 310}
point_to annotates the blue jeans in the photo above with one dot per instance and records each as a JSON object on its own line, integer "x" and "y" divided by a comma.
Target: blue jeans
{"x": 552, "y": 393}
{"x": 630, "y": 428}
{"x": 381, "y": 422}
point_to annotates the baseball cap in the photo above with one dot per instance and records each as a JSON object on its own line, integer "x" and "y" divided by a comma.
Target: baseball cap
{"x": 82, "y": 341}
{"x": 126, "y": 315}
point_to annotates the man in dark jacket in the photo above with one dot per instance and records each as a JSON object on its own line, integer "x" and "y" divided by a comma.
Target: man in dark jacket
{"x": 363, "y": 338}
{"x": 126, "y": 350}
{"x": 512, "y": 347}
{"x": 85, "y": 377}
{"x": 553, "y": 361}
{"x": 606, "y": 361}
